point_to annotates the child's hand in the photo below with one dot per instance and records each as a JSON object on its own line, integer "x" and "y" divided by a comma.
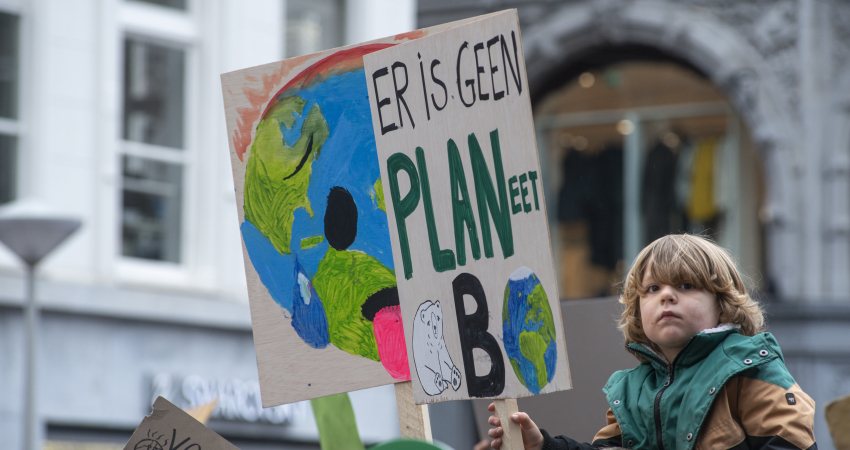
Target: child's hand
{"x": 483, "y": 444}
{"x": 532, "y": 438}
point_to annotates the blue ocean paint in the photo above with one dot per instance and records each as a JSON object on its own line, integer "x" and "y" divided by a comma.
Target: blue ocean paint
{"x": 308, "y": 313}
{"x": 273, "y": 268}
{"x": 348, "y": 158}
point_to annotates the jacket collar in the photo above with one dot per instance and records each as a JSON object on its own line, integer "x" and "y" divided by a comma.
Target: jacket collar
{"x": 695, "y": 350}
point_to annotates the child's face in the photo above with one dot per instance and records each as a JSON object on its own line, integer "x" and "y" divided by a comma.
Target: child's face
{"x": 672, "y": 315}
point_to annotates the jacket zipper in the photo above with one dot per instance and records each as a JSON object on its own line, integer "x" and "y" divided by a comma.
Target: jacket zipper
{"x": 657, "y": 408}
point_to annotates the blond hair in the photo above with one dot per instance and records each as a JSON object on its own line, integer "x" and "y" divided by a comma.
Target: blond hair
{"x": 685, "y": 258}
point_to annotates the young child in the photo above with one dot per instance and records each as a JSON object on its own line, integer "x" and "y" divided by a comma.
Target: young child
{"x": 709, "y": 377}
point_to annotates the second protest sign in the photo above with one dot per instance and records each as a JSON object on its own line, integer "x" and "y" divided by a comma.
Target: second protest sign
{"x": 452, "y": 121}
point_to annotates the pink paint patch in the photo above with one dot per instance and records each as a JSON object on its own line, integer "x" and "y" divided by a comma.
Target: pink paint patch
{"x": 389, "y": 333}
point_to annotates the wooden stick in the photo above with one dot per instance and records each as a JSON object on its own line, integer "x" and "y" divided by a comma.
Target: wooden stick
{"x": 512, "y": 435}
{"x": 413, "y": 420}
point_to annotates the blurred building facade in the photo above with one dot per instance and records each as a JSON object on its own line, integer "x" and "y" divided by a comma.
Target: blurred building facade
{"x": 719, "y": 117}
{"x": 714, "y": 116}
{"x": 111, "y": 111}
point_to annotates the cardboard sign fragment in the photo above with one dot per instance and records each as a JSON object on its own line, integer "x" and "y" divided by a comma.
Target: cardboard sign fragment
{"x": 169, "y": 427}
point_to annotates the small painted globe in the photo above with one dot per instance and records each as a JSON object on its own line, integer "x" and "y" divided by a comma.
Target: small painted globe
{"x": 529, "y": 330}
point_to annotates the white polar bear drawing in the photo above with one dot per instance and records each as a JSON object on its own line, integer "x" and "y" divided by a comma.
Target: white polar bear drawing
{"x": 434, "y": 365}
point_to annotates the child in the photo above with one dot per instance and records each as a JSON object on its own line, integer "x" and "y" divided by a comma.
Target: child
{"x": 709, "y": 377}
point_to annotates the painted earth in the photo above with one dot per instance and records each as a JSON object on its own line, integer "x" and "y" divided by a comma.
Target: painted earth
{"x": 529, "y": 330}
{"x": 315, "y": 223}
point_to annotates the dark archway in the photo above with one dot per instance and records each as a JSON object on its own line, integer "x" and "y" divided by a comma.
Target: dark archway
{"x": 571, "y": 39}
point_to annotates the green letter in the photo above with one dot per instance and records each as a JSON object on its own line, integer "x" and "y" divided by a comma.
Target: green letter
{"x": 515, "y": 207}
{"x": 403, "y": 207}
{"x": 533, "y": 177}
{"x": 522, "y": 179}
{"x": 461, "y": 209}
{"x": 486, "y": 196}
{"x": 443, "y": 259}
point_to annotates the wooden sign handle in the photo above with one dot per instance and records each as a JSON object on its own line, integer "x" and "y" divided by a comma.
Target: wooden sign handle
{"x": 413, "y": 420}
{"x": 512, "y": 435}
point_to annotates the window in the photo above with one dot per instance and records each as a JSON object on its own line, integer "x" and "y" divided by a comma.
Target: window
{"x": 153, "y": 158}
{"x": 9, "y": 87}
{"x": 153, "y": 93}
{"x": 313, "y": 25}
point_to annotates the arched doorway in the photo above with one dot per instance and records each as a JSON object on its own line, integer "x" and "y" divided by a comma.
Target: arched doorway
{"x": 651, "y": 37}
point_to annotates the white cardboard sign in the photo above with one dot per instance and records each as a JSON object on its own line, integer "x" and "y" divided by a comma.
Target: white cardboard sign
{"x": 452, "y": 122}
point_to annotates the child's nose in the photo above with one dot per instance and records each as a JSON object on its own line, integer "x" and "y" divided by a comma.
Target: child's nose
{"x": 668, "y": 293}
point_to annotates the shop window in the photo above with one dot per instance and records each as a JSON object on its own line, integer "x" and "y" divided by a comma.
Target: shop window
{"x": 9, "y": 88}
{"x": 640, "y": 150}
{"x": 313, "y": 25}
{"x": 153, "y": 150}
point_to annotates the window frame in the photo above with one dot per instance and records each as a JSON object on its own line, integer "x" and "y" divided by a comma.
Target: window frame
{"x": 16, "y": 127}
{"x": 180, "y": 30}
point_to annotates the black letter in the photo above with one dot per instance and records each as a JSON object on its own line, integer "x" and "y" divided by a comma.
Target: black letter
{"x": 174, "y": 440}
{"x": 434, "y": 64}
{"x": 468, "y": 82}
{"x": 424, "y": 88}
{"x": 382, "y": 101}
{"x": 473, "y": 334}
{"x": 493, "y": 69}
{"x": 399, "y": 99}
{"x": 516, "y": 75}
{"x": 479, "y": 69}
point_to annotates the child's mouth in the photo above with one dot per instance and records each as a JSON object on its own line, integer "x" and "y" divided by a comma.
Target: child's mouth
{"x": 668, "y": 315}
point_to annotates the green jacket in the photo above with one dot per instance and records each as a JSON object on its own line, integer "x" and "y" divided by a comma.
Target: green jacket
{"x": 664, "y": 406}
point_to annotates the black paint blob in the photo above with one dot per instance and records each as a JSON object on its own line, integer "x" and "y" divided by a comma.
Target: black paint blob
{"x": 378, "y": 301}
{"x": 340, "y": 218}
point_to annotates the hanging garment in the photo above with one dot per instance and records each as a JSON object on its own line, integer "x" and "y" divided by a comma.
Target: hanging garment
{"x": 606, "y": 208}
{"x": 573, "y": 196}
{"x": 701, "y": 206}
{"x": 658, "y": 196}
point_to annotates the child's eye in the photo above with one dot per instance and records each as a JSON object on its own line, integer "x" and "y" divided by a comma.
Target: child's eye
{"x": 686, "y": 286}
{"x": 653, "y": 288}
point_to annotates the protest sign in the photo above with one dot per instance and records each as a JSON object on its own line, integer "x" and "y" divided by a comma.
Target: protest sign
{"x": 452, "y": 123}
{"x": 169, "y": 427}
{"x": 310, "y": 203}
